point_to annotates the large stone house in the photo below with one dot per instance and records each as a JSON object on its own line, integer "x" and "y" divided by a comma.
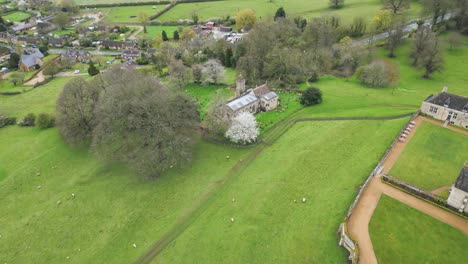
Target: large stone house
{"x": 459, "y": 193}
{"x": 31, "y": 59}
{"x": 76, "y": 55}
{"x": 255, "y": 100}
{"x": 447, "y": 107}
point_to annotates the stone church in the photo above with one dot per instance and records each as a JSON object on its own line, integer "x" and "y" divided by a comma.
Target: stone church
{"x": 253, "y": 100}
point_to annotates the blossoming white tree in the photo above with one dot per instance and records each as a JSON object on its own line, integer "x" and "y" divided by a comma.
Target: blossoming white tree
{"x": 243, "y": 129}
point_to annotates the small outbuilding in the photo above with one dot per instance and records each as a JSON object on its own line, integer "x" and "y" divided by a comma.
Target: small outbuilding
{"x": 459, "y": 192}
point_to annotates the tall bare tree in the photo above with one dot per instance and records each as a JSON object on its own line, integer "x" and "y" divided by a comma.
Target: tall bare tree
{"x": 396, "y": 5}
{"x": 432, "y": 59}
{"x": 420, "y": 40}
{"x": 144, "y": 125}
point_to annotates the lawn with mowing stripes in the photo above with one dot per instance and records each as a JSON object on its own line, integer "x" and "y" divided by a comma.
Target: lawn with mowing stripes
{"x": 401, "y": 234}
{"x": 124, "y": 14}
{"x": 17, "y": 16}
{"x": 433, "y": 158}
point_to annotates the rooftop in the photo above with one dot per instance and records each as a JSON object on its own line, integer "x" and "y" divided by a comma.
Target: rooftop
{"x": 452, "y": 101}
{"x": 269, "y": 96}
{"x": 462, "y": 180}
{"x": 242, "y": 101}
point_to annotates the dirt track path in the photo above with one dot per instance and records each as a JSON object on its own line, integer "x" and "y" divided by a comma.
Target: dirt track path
{"x": 358, "y": 224}
{"x": 39, "y": 78}
{"x": 441, "y": 190}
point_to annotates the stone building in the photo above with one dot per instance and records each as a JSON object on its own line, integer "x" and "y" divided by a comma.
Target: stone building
{"x": 459, "y": 193}
{"x": 255, "y": 100}
{"x": 31, "y": 59}
{"x": 447, "y": 107}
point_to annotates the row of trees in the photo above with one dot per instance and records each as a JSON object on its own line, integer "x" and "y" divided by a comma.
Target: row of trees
{"x": 129, "y": 117}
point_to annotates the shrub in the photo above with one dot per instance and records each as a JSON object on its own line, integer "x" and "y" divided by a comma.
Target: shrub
{"x": 314, "y": 76}
{"x": 7, "y": 121}
{"x": 380, "y": 73}
{"x": 28, "y": 120}
{"x": 45, "y": 120}
{"x": 311, "y": 96}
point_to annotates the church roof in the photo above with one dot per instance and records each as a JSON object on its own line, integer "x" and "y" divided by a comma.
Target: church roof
{"x": 242, "y": 101}
{"x": 462, "y": 180}
{"x": 269, "y": 96}
{"x": 452, "y": 101}
{"x": 261, "y": 90}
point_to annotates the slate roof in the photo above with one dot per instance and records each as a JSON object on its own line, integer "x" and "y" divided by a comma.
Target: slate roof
{"x": 28, "y": 40}
{"x": 29, "y": 60}
{"x": 452, "y": 101}
{"x": 462, "y": 180}
{"x": 261, "y": 90}
{"x": 111, "y": 43}
{"x": 242, "y": 101}
{"x": 269, "y": 96}
{"x": 55, "y": 41}
{"x": 131, "y": 53}
{"x": 22, "y": 27}
{"x": 75, "y": 53}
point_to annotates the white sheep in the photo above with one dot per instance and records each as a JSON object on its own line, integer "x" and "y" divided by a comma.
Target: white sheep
{"x": 134, "y": 245}
{"x": 304, "y": 199}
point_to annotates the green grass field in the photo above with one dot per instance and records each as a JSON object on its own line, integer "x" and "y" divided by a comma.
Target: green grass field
{"x": 17, "y": 16}
{"x": 433, "y": 158}
{"x": 128, "y": 13}
{"x": 322, "y": 161}
{"x": 312, "y": 160}
{"x": 401, "y": 234}
{"x": 267, "y": 9}
{"x": 154, "y": 31}
{"x": 94, "y": 2}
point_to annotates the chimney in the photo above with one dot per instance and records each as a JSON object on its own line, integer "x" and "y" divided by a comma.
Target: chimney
{"x": 445, "y": 89}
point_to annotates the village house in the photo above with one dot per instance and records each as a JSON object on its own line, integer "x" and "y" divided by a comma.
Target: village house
{"x": 31, "y": 59}
{"x": 76, "y": 55}
{"x": 451, "y": 108}
{"x": 110, "y": 44}
{"x": 22, "y": 27}
{"x": 459, "y": 192}
{"x": 129, "y": 55}
{"x": 27, "y": 40}
{"x": 255, "y": 100}
{"x": 55, "y": 42}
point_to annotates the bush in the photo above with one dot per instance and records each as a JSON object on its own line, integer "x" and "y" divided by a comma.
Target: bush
{"x": 311, "y": 96}
{"x": 28, "y": 120}
{"x": 380, "y": 73}
{"x": 314, "y": 76}
{"x": 45, "y": 121}
{"x": 7, "y": 121}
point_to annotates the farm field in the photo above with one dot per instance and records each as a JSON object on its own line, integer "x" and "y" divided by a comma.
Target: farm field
{"x": 126, "y": 14}
{"x": 94, "y": 2}
{"x": 401, "y": 234}
{"x": 17, "y": 16}
{"x": 113, "y": 207}
{"x": 267, "y": 9}
{"x": 433, "y": 157}
{"x": 269, "y": 226}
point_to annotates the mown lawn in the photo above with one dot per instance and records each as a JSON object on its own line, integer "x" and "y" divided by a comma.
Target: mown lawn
{"x": 17, "y": 16}
{"x": 38, "y": 100}
{"x": 128, "y": 13}
{"x": 401, "y": 234}
{"x": 267, "y": 9}
{"x": 317, "y": 161}
{"x": 204, "y": 94}
{"x": 433, "y": 158}
{"x": 154, "y": 31}
{"x": 112, "y": 209}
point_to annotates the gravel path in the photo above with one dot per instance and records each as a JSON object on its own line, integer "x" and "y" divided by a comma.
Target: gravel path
{"x": 358, "y": 224}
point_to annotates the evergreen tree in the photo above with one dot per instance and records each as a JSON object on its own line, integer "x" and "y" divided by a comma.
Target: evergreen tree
{"x": 164, "y": 36}
{"x": 228, "y": 57}
{"x": 176, "y": 35}
{"x": 280, "y": 13}
{"x": 92, "y": 70}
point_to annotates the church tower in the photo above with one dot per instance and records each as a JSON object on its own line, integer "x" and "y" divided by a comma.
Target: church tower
{"x": 240, "y": 86}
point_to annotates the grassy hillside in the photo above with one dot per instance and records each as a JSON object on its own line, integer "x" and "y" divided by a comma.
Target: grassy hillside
{"x": 401, "y": 234}
{"x": 112, "y": 209}
{"x": 267, "y": 9}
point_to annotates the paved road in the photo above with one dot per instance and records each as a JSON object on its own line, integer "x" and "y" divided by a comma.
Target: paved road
{"x": 413, "y": 25}
{"x": 93, "y": 52}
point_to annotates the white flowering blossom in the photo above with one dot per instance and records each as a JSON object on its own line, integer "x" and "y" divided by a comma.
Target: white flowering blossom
{"x": 243, "y": 129}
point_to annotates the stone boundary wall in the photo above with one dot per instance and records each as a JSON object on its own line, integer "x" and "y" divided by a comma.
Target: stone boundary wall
{"x": 420, "y": 194}
{"x": 344, "y": 236}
